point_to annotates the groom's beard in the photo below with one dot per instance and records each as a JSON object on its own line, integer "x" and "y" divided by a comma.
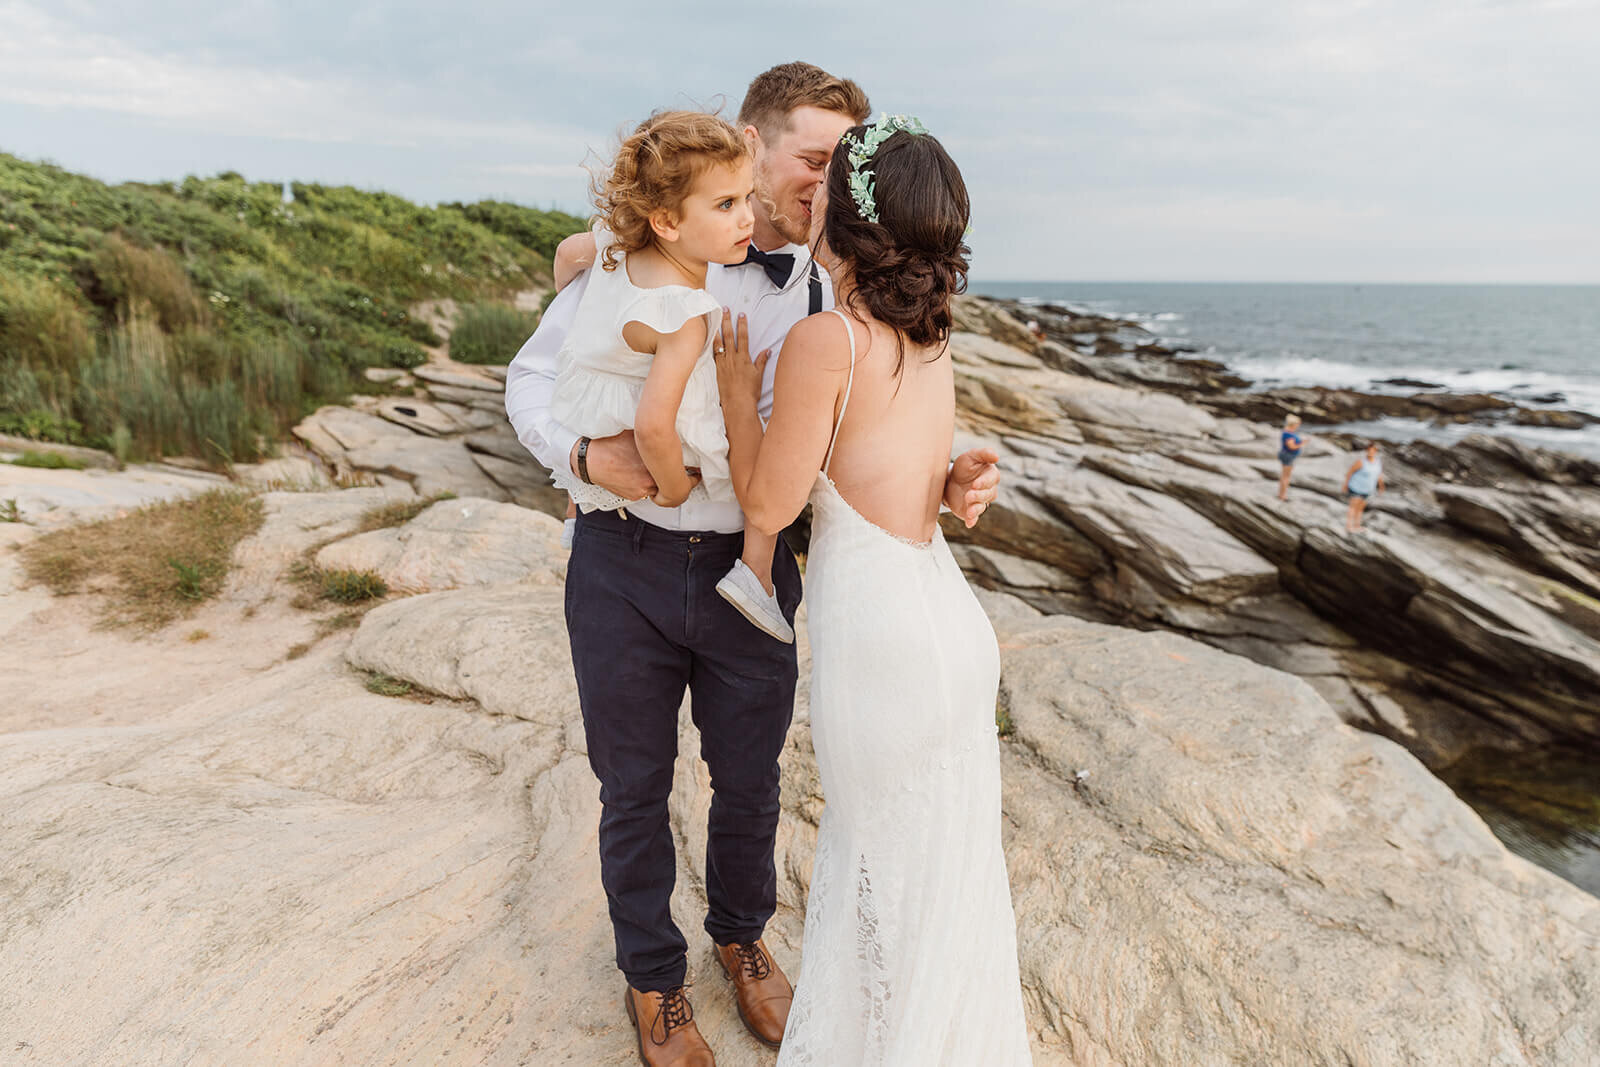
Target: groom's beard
{"x": 795, "y": 228}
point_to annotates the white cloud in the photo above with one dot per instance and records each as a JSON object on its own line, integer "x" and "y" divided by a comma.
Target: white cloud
{"x": 1150, "y": 138}
{"x": 47, "y": 63}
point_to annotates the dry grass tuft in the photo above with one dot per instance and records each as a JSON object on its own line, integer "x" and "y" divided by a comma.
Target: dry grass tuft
{"x": 387, "y": 686}
{"x": 154, "y": 565}
{"x": 345, "y": 620}
{"x": 352, "y": 587}
{"x": 399, "y": 512}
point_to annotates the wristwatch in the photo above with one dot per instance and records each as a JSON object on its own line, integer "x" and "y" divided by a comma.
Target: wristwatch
{"x": 583, "y": 460}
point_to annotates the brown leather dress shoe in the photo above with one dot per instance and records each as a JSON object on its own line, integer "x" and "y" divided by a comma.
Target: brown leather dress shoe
{"x": 763, "y": 993}
{"x": 668, "y": 1036}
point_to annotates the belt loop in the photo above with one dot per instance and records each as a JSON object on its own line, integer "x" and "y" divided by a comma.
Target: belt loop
{"x": 638, "y": 535}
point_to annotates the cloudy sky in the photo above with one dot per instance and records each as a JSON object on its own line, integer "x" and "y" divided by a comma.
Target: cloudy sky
{"x": 1140, "y": 140}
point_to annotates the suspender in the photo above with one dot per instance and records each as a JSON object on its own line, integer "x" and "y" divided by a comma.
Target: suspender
{"x": 816, "y": 289}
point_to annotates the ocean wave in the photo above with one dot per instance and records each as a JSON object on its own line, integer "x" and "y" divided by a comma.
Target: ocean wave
{"x": 1584, "y": 442}
{"x": 1517, "y": 384}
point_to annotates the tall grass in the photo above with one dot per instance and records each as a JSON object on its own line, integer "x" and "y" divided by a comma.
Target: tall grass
{"x": 46, "y": 337}
{"x": 490, "y": 333}
{"x": 206, "y": 316}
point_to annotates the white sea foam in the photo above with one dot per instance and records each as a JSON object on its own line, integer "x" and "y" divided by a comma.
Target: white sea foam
{"x": 1520, "y": 385}
{"x": 1584, "y": 442}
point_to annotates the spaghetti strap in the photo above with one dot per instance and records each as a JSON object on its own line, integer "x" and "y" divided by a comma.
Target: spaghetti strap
{"x": 849, "y": 332}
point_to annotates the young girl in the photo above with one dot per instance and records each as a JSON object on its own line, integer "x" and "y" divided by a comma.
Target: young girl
{"x": 638, "y": 355}
{"x": 1289, "y": 446}
{"x": 1361, "y": 481}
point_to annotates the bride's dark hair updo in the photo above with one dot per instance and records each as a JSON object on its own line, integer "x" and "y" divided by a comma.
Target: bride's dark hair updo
{"x": 908, "y": 264}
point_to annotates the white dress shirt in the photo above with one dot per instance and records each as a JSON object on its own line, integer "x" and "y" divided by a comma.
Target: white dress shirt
{"x": 769, "y": 313}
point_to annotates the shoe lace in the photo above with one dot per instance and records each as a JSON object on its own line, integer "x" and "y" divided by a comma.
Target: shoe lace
{"x": 673, "y": 1014}
{"x": 752, "y": 960}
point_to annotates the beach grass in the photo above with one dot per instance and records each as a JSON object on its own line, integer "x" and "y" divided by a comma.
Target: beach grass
{"x": 46, "y": 460}
{"x": 490, "y": 333}
{"x": 205, "y": 317}
{"x": 152, "y": 566}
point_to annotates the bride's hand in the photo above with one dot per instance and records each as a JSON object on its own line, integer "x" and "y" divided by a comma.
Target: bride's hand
{"x": 738, "y": 376}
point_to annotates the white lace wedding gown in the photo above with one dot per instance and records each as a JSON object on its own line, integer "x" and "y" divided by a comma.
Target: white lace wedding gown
{"x": 909, "y": 956}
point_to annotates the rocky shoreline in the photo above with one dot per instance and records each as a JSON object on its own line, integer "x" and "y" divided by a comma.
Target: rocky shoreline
{"x": 1469, "y": 615}
{"x": 1466, "y": 616}
{"x": 258, "y": 851}
{"x": 1124, "y": 352}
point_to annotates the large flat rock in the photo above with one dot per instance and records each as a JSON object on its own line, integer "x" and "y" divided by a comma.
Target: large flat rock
{"x": 456, "y": 543}
{"x": 1206, "y": 867}
{"x": 1168, "y": 543}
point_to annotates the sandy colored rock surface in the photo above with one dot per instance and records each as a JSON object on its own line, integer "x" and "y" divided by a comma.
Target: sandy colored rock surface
{"x": 463, "y": 541}
{"x": 268, "y": 863}
{"x": 49, "y": 498}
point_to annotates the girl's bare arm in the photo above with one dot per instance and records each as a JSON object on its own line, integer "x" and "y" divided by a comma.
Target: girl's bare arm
{"x": 655, "y": 427}
{"x": 574, "y": 255}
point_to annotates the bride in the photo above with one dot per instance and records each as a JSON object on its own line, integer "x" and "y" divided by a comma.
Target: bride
{"x": 909, "y": 955}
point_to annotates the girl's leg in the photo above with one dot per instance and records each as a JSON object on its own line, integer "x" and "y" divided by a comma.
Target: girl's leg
{"x": 748, "y": 587}
{"x": 1283, "y": 482}
{"x": 1357, "y": 506}
{"x": 757, "y": 555}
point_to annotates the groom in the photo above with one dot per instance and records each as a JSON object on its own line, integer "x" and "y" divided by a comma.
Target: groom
{"x": 646, "y": 622}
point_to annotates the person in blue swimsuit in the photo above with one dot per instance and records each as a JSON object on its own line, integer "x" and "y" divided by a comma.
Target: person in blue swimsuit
{"x": 1361, "y": 482}
{"x": 1289, "y": 446}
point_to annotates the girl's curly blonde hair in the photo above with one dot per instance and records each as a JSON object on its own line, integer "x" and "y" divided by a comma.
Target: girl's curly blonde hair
{"x": 654, "y": 170}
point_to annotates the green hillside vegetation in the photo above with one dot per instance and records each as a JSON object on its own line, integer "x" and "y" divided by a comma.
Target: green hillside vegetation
{"x": 205, "y": 317}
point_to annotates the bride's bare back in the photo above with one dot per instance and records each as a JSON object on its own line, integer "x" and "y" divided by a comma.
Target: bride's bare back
{"x": 892, "y": 448}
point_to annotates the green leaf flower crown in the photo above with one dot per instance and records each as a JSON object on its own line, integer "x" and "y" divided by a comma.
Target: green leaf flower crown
{"x": 863, "y": 187}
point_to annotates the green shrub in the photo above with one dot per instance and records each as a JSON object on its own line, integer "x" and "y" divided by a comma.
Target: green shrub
{"x": 41, "y": 426}
{"x": 349, "y": 587}
{"x": 46, "y": 336}
{"x": 538, "y": 230}
{"x": 490, "y": 333}
{"x": 128, "y": 278}
{"x": 206, "y": 315}
{"x": 388, "y": 686}
{"x": 53, "y": 461}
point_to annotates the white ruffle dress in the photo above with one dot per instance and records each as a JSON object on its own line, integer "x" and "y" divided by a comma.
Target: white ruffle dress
{"x": 599, "y": 379}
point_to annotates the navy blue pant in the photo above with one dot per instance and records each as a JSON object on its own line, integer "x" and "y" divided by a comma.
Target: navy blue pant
{"x": 646, "y": 623}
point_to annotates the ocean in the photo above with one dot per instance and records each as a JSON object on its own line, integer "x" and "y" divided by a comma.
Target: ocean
{"x": 1538, "y": 345}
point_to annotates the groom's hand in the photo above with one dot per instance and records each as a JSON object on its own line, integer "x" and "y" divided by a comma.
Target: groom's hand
{"x": 615, "y": 464}
{"x": 972, "y": 484}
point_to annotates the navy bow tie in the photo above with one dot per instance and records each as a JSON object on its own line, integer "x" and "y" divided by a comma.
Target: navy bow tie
{"x": 778, "y": 265}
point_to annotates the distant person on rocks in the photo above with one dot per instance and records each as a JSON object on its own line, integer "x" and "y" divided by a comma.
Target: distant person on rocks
{"x": 1289, "y": 446}
{"x": 1361, "y": 482}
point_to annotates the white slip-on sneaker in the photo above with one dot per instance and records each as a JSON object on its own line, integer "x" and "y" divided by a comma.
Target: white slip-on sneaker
{"x": 568, "y": 528}
{"x": 741, "y": 588}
